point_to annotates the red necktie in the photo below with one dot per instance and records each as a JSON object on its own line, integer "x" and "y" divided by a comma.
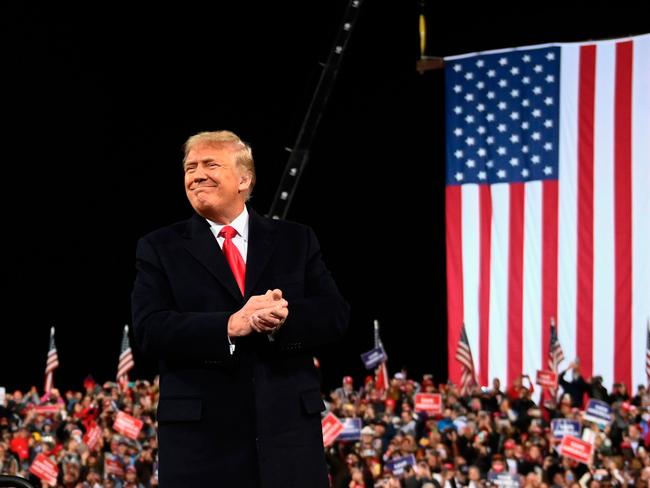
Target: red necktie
{"x": 233, "y": 256}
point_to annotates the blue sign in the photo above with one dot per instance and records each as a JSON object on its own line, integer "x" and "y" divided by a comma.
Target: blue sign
{"x": 504, "y": 479}
{"x": 562, "y": 427}
{"x": 598, "y": 412}
{"x": 374, "y": 357}
{"x": 351, "y": 430}
{"x": 397, "y": 465}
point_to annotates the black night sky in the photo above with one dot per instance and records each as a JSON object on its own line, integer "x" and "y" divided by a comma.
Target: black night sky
{"x": 97, "y": 102}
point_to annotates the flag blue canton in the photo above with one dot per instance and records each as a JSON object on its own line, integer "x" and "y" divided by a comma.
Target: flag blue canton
{"x": 503, "y": 116}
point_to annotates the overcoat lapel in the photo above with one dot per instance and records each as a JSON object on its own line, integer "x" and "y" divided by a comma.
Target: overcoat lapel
{"x": 262, "y": 240}
{"x": 202, "y": 244}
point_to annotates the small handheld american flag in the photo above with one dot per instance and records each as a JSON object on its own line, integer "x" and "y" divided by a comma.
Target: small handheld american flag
{"x": 464, "y": 357}
{"x": 125, "y": 363}
{"x": 51, "y": 364}
{"x": 555, "y": 353}
{"x": 381, "y": 373}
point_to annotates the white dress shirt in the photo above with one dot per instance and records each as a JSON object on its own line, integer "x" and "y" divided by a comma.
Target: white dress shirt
{"x": 240, "y": 224}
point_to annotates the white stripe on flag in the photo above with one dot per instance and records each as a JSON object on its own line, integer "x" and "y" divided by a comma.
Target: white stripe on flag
{"x": 641, "y": 206}
{"x": 567, "y": 227}
{"x": 498, "y": 347}
{"x": 471, "y": 255}
{"x": 604, "y": 251}
{"x": 532, "y": 301}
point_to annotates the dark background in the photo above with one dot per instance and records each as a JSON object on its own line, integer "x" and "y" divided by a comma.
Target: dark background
{"x": 98, "y": 100}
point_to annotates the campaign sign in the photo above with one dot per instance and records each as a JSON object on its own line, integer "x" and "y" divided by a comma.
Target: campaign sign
{"x": 546, "y": 379}
{"x": 92, "y": 436}
{"x": 127, "y": 425}
{"x": 431, "y": 403}
{"x": 397, "y": 465}
{"x": 374, "y": 357}
{"x": 45, "y": 469}
{"x": 351, "y": 430}
{"x": 562, "y": 427}
{"x": 113, "y": 465}
{"x": 576, "y": 449}
{"x": 598, "y": 412}
{"x": 3, "y": 395}
{"x": 509, "y": 480}
{"x": 332, "y": 427}
{"x": 47, "y": 409}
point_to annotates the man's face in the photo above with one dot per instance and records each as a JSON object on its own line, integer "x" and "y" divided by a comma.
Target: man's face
{"x": 215, "y": 184}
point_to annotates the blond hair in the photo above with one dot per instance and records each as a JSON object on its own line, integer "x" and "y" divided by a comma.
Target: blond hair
{"x": 243, "y": 151}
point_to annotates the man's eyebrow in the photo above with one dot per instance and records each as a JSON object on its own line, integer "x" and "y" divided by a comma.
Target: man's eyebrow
{"x": 206, "y": 160}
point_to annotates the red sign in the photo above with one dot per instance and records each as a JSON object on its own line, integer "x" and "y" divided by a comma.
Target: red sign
{"x": 576, "y": 449}
{"x": 127, "y": 425}
{"x": 47, "y": 409}
{"x": 45, "y": 469}
{"x": 113, "y": 465}
{"x": 92, "y": 436}
{"x": 431, "y": 403}
{"x": 332, "y": 427}
{"x": 546, "y": 379}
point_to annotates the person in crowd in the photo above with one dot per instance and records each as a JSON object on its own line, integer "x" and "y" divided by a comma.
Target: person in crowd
{"x": 577, "y": 386}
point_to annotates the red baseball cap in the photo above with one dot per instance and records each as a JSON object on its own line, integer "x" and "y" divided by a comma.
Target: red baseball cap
{"x": 347, "y": 380}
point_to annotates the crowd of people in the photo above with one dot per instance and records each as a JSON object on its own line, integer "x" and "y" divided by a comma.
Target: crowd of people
{"x": 486, "y": 433}
{"x": 471, "y": 442}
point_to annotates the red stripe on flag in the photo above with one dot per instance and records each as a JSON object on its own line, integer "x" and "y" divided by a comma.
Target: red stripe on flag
{"x": 623, "y": 214}
{"x": 485, "y": 199}
{"x": 515, "y": 280}
{"x": 454, "y": 238}
{"x": 549, "y": 260}
{"x": 585, "y": 251}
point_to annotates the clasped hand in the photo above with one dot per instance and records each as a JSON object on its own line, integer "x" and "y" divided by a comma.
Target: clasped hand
{"x": 261, "y": 313}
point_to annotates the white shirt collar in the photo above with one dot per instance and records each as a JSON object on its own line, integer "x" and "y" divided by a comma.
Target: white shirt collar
{"x": 240, "y": 224}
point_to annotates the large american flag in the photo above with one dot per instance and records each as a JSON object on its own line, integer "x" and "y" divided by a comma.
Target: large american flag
{"x": 548, "y": 206}
{"x": 51, "y": 364}
{"x": 126, "y": 363}
{"x": 647, "y": 354}
{"x": 464, "y": 358}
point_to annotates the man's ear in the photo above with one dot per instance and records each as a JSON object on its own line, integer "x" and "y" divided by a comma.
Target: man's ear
{"x": 245, "y": 179}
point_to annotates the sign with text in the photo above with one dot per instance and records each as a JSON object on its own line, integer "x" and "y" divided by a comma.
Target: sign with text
{"x": 431, "y": 403}
{"x": 374, "y": 357}
{"x": 576, "y": 449}
{"x": 332, "y": 427}
{"x": 47, "y": 409}
{"x": 546, "y": 379}
{"x": 508, "y": 480}
{"x": 45, "y": 469}
{"x": 598, "y": 412}
{"x": 92, "y": 436}
{"x": 127, "y": 425}
{"x": 351, "y": 430}
{"x": 113, "y": 465}
{"x": 397, "y": 465}
{"x": 562, "y": 427}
